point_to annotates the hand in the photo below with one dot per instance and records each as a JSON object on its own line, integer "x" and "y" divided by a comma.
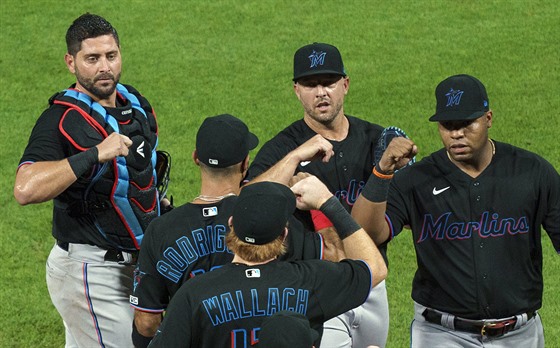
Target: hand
{"x": 316, "y": 148}
{"x": 399, "y": 152}
{"x": 310, "y": 192}
{"x": 112, "y": 146}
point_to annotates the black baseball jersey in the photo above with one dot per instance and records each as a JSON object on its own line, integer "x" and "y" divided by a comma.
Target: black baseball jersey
{"x": 225, "y": 308}
{"x": 478, "y": 240}
{"x": 189, "y": 241}
{"x": 346, "y": 172}
{"x": 60, "y": 132}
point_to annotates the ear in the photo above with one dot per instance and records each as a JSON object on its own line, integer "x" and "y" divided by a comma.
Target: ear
{"x": 296, "y": 90}
{"x": 195, "y": 158}
{"x": 70, "y": 62}
{"x": 346, "y": 84}
{"x": 489, "y": 118}
{"x": 245, "y": 165}
{"x": 230, "y": 222}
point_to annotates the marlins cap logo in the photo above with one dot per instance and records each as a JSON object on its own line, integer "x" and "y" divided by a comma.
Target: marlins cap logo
{"x": 454, "y": 97}
{"x": 317, "y": 58}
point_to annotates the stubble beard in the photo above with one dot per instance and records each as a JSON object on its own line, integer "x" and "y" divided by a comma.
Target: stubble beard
{"x": 324, "y": 118}
{"x": 103, "y": 92}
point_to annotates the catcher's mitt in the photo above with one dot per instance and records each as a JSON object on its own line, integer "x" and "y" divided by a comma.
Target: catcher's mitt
{"x": 163, "y": 168}
{"x": 386, "y": 136}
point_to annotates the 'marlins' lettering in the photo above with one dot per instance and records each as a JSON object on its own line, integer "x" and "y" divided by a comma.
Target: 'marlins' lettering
{"x": 487, "y": 226}
{"x": 232, "y": 306}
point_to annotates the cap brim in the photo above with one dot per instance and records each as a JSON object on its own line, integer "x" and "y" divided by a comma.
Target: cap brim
{"x": 318, "y": 72}
{"x": 456, "y": 116}
{"x": 253, "y": 141}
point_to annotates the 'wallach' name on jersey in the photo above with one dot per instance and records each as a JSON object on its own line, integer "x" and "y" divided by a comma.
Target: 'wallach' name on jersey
{"x": 231, "y": 306}
{"x": 204, "y": 242}
{"x": 487, "y": 226}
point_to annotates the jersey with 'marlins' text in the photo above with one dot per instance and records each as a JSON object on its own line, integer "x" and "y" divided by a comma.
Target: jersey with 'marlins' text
{"x": 478, "y": 240}
{"x": 346, "y": 172}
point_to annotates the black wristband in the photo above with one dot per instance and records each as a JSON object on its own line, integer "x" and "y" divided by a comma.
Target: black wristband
{"x": 341, "y": 219}
{"x": 138, "y": 339}
{"x": 83, "y": 161}
{"x": 376, "y": 189}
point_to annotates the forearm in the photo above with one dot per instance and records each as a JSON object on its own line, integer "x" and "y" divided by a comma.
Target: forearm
{"x": 333, "y": 247}
{"x": 371, "y": 216}
{"x": 42, "y": 181}
{"x": 281, "y": 172}
{"x": 359, "y": 246}
{"x": 145, "y": 325}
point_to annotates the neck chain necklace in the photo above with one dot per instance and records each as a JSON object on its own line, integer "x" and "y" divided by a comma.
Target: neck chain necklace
{"x": 213, "y": 198}
{"x": 493, "y": 147}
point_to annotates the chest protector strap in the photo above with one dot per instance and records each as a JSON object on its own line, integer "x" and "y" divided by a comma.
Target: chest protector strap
{"x": 118, "y": 196}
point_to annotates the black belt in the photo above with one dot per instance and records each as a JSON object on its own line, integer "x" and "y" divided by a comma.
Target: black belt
{"x": 484, "y": 328}
{"x": 113, "y": 255}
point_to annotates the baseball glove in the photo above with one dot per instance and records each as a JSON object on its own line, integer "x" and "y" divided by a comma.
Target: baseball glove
{"x": 163, "y": 168}
{"x": 386, "y": 136}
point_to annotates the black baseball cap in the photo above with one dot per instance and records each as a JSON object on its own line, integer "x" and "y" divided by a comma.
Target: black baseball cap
{"x": 262, "y": 211}
{"x": 459, "y": 98}
{"x": 224, "y": 140}
{"x": 317, "y": 58}
{"x": 287, "y": 329}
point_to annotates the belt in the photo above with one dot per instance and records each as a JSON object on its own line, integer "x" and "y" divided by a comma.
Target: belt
{"x": 112, "y": 255}
{"x": 489, "y": 328}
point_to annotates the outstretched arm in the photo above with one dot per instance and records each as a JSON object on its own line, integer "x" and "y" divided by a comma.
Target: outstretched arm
{"x": 311, "y": 193}
{"x": 316, "y": 148}
{"x": 369, "y": 209}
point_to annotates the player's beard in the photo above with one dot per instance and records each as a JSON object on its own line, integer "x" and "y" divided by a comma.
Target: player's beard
{"x": 325, "y": 118}
{"x": 102, "y": 92}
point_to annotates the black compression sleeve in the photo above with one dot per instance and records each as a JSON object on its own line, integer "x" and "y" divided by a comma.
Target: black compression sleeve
{"x": 83, "y": 161}
{"x": 341, "y": 219}
{"x": 376, "y": 188}
{"x": 138, "y": 339}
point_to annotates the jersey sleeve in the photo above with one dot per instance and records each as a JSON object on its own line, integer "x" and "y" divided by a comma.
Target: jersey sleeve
{"x": 150, "y": 293}
{"x": 176, "y": 328}
{"x": 551, "y": 201}
{"x": 45, "y": 142}
{"x": 343, "y": 285}
{"x": 272, "y": 151}
{"x": 302, "y": 243}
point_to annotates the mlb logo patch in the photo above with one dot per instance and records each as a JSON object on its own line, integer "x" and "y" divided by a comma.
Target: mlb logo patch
{"x": 253, "y": 273}
{"x": 210, "y": 211}
{"x": 134, "y": 300}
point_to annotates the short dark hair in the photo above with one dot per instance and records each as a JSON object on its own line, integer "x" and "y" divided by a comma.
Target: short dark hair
{"x": 85, "y": 27}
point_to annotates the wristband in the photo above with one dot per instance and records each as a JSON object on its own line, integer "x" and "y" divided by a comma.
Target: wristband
{"x": 139, "y": 340}
{"x": 341, "y": 219}
{"x": 83, "y": 161}
{"x": 376, "y": 188}
{"x": 320, "y": 221}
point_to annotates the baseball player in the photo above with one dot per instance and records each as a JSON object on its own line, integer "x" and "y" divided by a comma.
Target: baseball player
{"x": 93, "y": 152}
{"x": 189, "y": 241}
{"x": 225, "y": 307}
{"x": 476, "y": 208}
{"x": 321, "y": 83}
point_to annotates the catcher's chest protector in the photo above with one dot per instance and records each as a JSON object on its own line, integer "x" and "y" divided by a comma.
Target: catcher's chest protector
{"x": 121, "y": 197}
